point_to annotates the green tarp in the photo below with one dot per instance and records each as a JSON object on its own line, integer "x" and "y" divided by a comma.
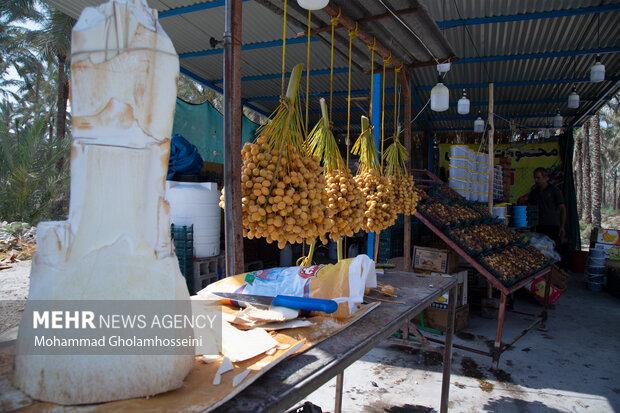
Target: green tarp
{"x": 567, "y": 143}
{"x": 203, "y": 126}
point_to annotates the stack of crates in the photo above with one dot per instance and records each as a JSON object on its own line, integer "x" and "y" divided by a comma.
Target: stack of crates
{"x": 391, "y": 241}
{"x": 207, "y": 271}
{"x": 183, "y": 239}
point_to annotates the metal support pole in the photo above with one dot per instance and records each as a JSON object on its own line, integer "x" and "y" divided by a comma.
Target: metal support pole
{"x": 491, "y": 146}
{"x": 339, "y": 386}
{"x": 233, "y": 112}
{"x": 501, "y": 317}
{"x": 375, "y": 119}
{"x": 447, "y": 352}
{"x": 406, "y": 86}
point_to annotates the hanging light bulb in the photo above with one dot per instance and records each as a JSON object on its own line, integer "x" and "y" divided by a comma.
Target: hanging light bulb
{"x": 463, "y": 104}
{"x": 573, "y": 99}
{"x": 440, "y": 96}
{"x": 443, "y": 67}
{"x": 312, "y": 4}
{"x": 558, "y": 120}
{"x": 479, "y": 125}
{"x": 597, "y": 71}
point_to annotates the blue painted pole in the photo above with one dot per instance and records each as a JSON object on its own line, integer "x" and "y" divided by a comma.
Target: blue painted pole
{"x": 375, "y": 120}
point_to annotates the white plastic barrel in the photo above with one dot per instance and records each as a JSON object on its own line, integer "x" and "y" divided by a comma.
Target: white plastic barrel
{"x": 197, "y": 203}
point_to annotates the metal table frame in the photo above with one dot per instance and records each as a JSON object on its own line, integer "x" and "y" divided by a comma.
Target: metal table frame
{"x": 295, "y": 378}
{"x": 424, "y": 177}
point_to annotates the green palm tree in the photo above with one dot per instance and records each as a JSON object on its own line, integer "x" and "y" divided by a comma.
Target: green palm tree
{"x": 586, "y": 209}
{"x": 31, "y": 186}
{"x": 54, "y": 42}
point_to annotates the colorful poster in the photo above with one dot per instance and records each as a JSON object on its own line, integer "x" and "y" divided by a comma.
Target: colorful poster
{"x": 518, "y": 161}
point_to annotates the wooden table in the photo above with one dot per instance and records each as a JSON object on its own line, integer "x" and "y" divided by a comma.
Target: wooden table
{"x": 294, "y": 379}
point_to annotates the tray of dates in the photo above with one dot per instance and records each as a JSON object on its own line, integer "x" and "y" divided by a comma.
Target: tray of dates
{"x": 514, "y": 263}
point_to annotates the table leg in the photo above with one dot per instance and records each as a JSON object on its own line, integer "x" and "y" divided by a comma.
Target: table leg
{"x": 339, "y": 384}
{"x": 447, "y": 352}
{"x": 501, "y": 317}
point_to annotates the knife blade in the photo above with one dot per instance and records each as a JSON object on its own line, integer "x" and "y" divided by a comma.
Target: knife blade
{"x": 288, "y": 301}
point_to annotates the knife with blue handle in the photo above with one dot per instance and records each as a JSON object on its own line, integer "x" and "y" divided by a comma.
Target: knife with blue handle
{"x": 288, "y": 301}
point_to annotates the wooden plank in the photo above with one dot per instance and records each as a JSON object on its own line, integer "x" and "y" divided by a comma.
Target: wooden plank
{"x": 233, "y": 112}
{"x": 491, "y": 146}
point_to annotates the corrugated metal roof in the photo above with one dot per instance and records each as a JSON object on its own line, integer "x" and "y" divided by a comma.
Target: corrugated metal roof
{"x": 507, "y": 33}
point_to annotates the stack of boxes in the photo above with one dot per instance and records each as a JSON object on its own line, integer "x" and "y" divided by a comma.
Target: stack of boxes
{"x": 469, "y": 174}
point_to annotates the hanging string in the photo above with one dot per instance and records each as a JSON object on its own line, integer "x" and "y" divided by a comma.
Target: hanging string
{"x": 372, "y": 75}
{"x": 334, "y": 21}
{"x": 352, "y": 34}
{"x": 308, "y": 71}
{"x": 396, "y": 104}
{"x": 386, "y": 61}
{"x": 283, "y": 51}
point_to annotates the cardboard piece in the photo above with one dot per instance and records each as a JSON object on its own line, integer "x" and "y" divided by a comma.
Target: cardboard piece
{"x": 433, "y": 259}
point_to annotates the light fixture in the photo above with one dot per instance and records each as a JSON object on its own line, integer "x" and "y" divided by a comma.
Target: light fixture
{"x": 479, "y": 125}
{"x": 440, "y": 96}
{"x": 558, "y": 120}
{"x": 463, "y": 104}
{"x": 597, "y": 71}
{"x": 312, "y": 4}
{"x": 573, "y": 99}
{"x": 443, "y": 67}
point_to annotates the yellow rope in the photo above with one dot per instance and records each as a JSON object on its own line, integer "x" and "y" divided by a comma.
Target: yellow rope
{"x": 396, "y": 105}
{"x": 283, "y": 51}
{"x": 334, "y": 21}
{"x": 372, "y": 75}
{"x": 386, "y": 61}
{"x": 352, "y": 34}
{"x": 308, "y": 72}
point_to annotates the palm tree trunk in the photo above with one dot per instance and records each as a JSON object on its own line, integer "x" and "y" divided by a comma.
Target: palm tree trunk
{"x": 61, "y": 103}
{"x": 597, "y": 179}
{"x": 586, "y": 211}
{"x": 579, "y": 173}
{"x": 616, "y": 201}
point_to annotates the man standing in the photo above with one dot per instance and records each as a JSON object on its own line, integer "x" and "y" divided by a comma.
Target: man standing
{"x": 551, "y": 209}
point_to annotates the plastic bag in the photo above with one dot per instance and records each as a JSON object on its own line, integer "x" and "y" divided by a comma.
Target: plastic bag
{"x": 545, "y": 245}
{"x": 184, "y": 157}
{"x": 343, "y": 282}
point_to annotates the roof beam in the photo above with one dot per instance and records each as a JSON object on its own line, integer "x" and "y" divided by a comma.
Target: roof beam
{"x": 270, "y": 76}
{"x": 366, "y": 19}
{"x": 477, "y": 104}
{"x": 246, "y": 47}
{"x": 516, "y": 83}
{"x": 218, "y": 89}
{"x": 356, "y": 92}
{"x": 542, "y": 55}
{"x": 366, "y": 38}
{"x": 549, "y": 14}
{"x": 479, "y": 85}
{"x": 177, "y": 11}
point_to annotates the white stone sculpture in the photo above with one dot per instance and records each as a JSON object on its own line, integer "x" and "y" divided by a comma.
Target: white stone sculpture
{"x": 115, "y": 244}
